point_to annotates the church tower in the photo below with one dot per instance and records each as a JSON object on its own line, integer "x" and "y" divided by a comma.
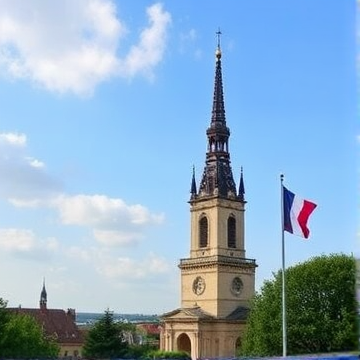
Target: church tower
{"x": 217, "y": 280}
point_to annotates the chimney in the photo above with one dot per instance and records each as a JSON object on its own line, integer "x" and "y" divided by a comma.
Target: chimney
{"x": 71, "y": 313}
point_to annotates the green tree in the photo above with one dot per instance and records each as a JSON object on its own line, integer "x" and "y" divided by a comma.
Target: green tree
{"x": 24, "y": 338}
{"x": 321, "y": 309}
{"x": 105, "y": 339}
{"x": 4, "y": 318}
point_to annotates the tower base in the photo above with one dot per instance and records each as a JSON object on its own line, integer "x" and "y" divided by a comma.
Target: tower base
{"x": 202, "y": 335}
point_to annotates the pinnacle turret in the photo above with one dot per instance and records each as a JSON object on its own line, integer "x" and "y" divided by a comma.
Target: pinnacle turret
{"x": 241, "y": 186}
{"x": 193, "y": 185}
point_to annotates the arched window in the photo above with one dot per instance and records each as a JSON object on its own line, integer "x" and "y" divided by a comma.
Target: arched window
{"x": 231, "y": 228}
{"x": 203, "y": 232}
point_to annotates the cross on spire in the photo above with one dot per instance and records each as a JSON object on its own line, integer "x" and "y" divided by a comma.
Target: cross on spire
{"x": 218, "y": 34}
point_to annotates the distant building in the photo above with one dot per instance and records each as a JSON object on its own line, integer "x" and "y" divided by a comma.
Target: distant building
{"x": 149, "y": 333}
{"x": 57, "y": 323}
{"x": 217, "y": 280}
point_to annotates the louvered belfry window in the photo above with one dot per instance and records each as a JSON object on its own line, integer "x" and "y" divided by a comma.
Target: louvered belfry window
{"x": 231, "y": 232}
{"x": 203, "y": 232}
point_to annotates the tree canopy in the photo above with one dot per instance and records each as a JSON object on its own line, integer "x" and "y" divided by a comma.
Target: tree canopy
{"x": 321, "y": 309}
{"x": 21, "y": 337}
{"x": 4, "y": 318}
{"x": 105, "y": 339}
{"x": 24, "y": 339}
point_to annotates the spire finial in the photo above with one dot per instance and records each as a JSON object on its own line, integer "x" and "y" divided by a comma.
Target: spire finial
{"x": 218, "y": 50}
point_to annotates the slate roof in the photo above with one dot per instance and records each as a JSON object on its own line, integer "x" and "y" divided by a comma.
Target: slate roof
{"x": 55, "y": 322}
{"x": 195, "y": 312}
{"x": 240, "y": 313}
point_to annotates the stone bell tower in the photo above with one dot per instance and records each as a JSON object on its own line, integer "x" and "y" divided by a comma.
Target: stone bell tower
{"x": 217, "y": 280}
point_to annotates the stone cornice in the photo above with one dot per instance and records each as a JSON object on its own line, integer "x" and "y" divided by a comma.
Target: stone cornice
{"x": 217, "y": 260}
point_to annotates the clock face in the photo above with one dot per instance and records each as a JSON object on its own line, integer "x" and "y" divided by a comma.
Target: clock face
{"x": 199, "y": 285}
{"x": 236, "y": 286}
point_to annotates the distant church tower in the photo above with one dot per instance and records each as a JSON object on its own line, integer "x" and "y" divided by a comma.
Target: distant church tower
{"x": 217, "y": 280}
{"x": 43, "y": 298}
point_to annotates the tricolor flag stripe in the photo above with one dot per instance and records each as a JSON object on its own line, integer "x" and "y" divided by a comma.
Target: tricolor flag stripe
{"x": 296, "y": 214}
{"x": 288, "y": 201}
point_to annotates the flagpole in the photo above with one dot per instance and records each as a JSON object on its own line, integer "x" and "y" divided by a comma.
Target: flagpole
{"x": 283, "y": 268}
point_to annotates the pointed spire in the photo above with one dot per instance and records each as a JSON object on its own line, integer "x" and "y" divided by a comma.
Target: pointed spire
{"x": 241, "y": 186}
{"x": 193, "y": 185}
{"x": 218, "y": 110}
{"x": 217, "y": 179}
{"x": 43, "y": 296}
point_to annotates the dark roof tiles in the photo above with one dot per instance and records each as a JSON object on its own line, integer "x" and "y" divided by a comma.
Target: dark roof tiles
{"x": 240, "y": 313}
{"x": 55, "y": 322}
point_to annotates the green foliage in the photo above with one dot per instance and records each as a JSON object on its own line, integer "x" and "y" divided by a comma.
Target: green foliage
{"x": 160, "y": 354}
{"x": 139, "y": 352}
{"x": 24, "y": 338}
{"x": 321, "y": 310}
{"x": 105, "y": 339}
{"x": 4, "y": 318}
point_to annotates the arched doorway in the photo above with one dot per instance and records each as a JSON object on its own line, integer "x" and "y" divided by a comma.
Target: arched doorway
{"x": 237, "y": 345}
{"x": 184, "y": 343}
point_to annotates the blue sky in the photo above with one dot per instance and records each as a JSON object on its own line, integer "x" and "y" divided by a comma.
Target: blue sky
{"x": 104, "y": 111}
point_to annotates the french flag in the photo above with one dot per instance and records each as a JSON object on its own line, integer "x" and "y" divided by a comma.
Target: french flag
{"x": 296, "y": 213}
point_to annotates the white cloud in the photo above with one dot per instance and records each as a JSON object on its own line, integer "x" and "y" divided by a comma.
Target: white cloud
{"x": 71, "y": 45}
{"x": 23, "y": 203}
{"x": 102, "y": 211}
{"x": 114, "y": 223}
{"x": 24, "y": 242}
{"x": 79, "y": 253}
{"x": 144, "y": 56}
{"x": 35, "y": 162}
{"x": 126, "y": 268}
{"x": 120, "y": 268}
{"x": 23, "y": 178}
{"x": 25, "y": 182}
{"x": 13, "y": 139}
{"x": 16, "y": 240}
{"x": 115, "y": 238}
